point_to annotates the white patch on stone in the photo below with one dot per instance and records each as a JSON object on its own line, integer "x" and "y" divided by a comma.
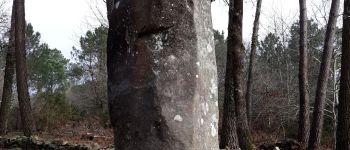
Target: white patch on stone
{"x": 158, "y": 43}
{"x": 214, "y": 119}
{"x": 277, "y": 148}
{"x": 172, "y": 57}
{"x": 207, "y": 107}
{"x": 214, "y": 87}
{"x": 216, "y": 103}
{"x": 209, "y": 48}
{"x": 198, "y": 63}
{"x": 156, "y": 72}
{"x": 197, "y": 76}
{"x": 178, "y": 118}
{"x": 117, "y": 5}
{"x": 188, "y": 7}
{"x": 213, "y": 125}
{"x": 213, "y": 130}
{"x": 156, "y": 61}
{"x": 204, "y": 109}
{"x": 202, "y": 121}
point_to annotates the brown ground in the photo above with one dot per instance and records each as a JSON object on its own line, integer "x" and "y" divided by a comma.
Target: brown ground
{"x": 87, "y": 131}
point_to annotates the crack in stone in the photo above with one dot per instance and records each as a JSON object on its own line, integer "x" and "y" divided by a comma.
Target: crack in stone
{"x": 145, "y": 31}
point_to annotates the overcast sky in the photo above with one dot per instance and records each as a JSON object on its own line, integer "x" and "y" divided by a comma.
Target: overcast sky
{"x": 61, "y": 22}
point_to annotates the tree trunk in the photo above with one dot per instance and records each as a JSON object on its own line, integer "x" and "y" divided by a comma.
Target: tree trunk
{"x": 343, "y": 129}
{"x": 162, "y": 79}
{"x": 234, "y": 84}
{"x": 8, "y": 79}
{"x": 335, "y": 100}
{"x": 317, "y": 123}
{"x": 304, "y": 112}
{"x": 228, "y": 133}
{"x": 21, "y": 69}
{"x": 251, "y": 62}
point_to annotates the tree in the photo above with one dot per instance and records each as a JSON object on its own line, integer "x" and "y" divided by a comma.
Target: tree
{"x": 21, "y": 69}
{"x": 48, "y": 81}
{"x": 162, "y": 78}
{"x": 32, "y": 44}
{"x": 228, "y": 133}
{"x": 343, "y": 129}
{"x": 254, "y": 43}
{"x": 91, "y": 58}
{"x": 271, "y": 108}
{"x": 32, "y": 39}
{"x": 9, "y": 78}
{"x": 234, "y": 84}
{"x": 47, "y": 70}
{"x": 221, "y": 55}
{"x": 304, "y": 120}
{"x": 317, "y": 122}
{"x": 47, "y": 76}
{"x": 3, "y": 18}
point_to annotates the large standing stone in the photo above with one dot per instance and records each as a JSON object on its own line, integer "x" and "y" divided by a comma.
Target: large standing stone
{"x": 162, "y": 80}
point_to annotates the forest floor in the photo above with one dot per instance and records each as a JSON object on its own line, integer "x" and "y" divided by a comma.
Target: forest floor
{"x": 266, "y": 141}
{"x": 90, "y": 133}
{"x": 87, "y": 132}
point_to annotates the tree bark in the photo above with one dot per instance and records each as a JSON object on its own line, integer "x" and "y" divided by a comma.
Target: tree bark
{"x": 21, "y": 70}
{"x": 317, "y": 122}
{"x": 8, "y": 79}
{"x": 234, "y": 84}
{"x": 343, "y": 129}
{"x": 162, "y": 79}
{"x": 335, "y": 100}
{"x": 251, "y": 61}
{"x": 304, "y": 112}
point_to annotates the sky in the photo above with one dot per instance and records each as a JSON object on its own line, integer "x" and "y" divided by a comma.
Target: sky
{"x": 62, "y": 22}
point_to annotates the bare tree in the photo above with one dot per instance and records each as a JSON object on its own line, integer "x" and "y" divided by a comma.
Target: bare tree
{"x": 254, "y": 44}
{"x": 21, "y": 69}
{"x": 335, "y": 101}
{"x": 234, "y": 84}
{"x": 97, "y": 9}
{"x": 9, "y": 78}
{"x": 343, "y": 129}
{"x": 318, "y": 114}
{"x": 304, "y": 112}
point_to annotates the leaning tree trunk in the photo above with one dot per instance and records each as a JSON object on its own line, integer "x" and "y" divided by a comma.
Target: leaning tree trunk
{"x": 317, "y": 122}
{"x": 304, "y": 112}
{"x": 343, "y": 129}
{"x": 234, "y": 84}
{"x": 162, "y": 80}
{"x": 251, "y": 61}
{"x": 21, "y": 69}
{"x": 9, "y": 77}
